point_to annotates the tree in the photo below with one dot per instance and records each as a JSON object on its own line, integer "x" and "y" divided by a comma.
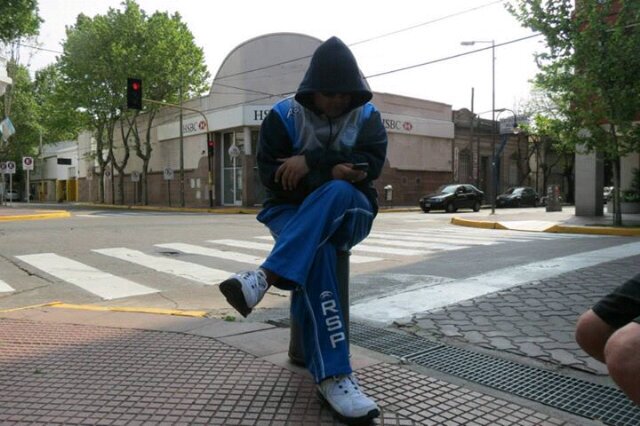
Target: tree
{"x": 101, "y": 52}
{"x": 19, "y": 18}
{"x": 23, "y": 110}
{"x": 590, "y": 69}
{"x": 171, "y": 65}
{"x": 58, "y": 119}
{"x": 87, "y": 81}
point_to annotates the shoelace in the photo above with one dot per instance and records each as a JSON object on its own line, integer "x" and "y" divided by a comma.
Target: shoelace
{"x": 348, "y": 384}
{"x": 259, "y": 277}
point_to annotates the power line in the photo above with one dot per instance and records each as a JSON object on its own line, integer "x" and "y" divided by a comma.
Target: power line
{"x": 453, "y": 56}
{"x": 433, "y": 21}
{"x": 442, "y": 18}
{"x": 39, "y": 48}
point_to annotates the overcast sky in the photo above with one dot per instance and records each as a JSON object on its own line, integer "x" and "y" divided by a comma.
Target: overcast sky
{"x": 430, "y": 34}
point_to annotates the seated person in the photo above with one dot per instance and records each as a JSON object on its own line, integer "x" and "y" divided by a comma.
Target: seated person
{"x": 312, "y": 153}
{"x": 610, "y": 332}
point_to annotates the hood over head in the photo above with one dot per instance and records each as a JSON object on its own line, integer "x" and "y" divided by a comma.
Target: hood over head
{"x": 333, "y": 69}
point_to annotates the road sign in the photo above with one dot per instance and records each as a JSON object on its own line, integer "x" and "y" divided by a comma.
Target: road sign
{"x": 27, "y": 163}
{"x": 3, "y": 167}
{"x": 234, "y": 151}
{"x": 135, "y": 177}
{"x": 168, "y": 173}
{"x": 11, "y": 167}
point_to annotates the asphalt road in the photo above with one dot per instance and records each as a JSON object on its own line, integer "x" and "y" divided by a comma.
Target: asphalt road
{"x": 173, "y": 260}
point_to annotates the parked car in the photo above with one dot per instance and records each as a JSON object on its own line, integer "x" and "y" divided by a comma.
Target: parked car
{"x": 453, "y": 197}
{"x": 11, "y": 195}
{"x": 518, "y": 196}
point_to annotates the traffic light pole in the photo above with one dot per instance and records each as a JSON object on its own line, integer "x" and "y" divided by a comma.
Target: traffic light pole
{"x": 209, "y": 151}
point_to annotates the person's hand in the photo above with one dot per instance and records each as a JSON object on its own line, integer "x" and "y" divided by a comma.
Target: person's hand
{"x": 344, "y": 171}
{"x": 291, "y": 171}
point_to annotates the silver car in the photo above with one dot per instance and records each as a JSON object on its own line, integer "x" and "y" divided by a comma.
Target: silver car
{"x": 11, "y": 196}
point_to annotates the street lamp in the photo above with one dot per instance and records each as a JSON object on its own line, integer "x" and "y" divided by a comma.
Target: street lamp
{"x": 493, "y": 115}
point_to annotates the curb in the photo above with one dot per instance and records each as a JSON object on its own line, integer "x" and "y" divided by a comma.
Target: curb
{"x": 36, "y": 216}
{"x": 221, "y": 210}
{"x": 477, "y": 223}
{"x": 558, "y": 229}
{"x": 139, "y": 310}
{"x": 594, "y": 230}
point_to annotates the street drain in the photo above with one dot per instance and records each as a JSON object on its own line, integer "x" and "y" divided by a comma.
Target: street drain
{"x": 586, "y": 399}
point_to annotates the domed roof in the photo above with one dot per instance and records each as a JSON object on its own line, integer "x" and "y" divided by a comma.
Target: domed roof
{"x": 262, "y": 70}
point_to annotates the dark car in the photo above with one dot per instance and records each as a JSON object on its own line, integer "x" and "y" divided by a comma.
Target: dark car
{"x": 453, "y": 197}
{"x": 518, "y": 196}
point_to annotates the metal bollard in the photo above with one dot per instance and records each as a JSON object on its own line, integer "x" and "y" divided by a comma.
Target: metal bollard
{"x": 296, "y": 350}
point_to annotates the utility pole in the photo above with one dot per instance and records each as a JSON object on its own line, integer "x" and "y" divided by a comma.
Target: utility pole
{"x": 181, "y": 152}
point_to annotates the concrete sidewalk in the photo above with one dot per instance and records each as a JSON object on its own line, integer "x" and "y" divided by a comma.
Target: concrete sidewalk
{"x": 539, "y": 220}
{"x": 64, "y": 366}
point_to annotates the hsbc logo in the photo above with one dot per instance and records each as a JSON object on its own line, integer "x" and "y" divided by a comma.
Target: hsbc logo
{"x": 390, "y": 124}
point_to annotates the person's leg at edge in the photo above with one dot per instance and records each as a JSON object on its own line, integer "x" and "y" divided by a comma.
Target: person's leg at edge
{"x": 622, "y": 359}
{"x": 592, "y": 334}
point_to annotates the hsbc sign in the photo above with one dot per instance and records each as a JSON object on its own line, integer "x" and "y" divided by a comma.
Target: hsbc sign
{"x": 417, "y": 126}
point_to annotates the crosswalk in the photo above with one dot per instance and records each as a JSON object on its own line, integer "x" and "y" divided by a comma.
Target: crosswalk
{"x": 211, "y": 261}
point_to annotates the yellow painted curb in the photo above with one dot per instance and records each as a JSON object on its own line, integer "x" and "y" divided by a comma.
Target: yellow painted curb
{"x": 37, "y": 216}
{"x": 218, "y": 210}
{"x": 62, "y": 305}
{"x": 176, "y": 312}
{"x": 476, "y": 223}
{"x": 595, "y": 230}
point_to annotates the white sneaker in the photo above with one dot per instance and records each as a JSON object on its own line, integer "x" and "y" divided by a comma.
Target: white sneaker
{"x": 244, "y": 290}
{"x": 343, "y": 394}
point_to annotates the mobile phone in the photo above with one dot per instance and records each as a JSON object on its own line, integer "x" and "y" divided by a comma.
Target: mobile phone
{"x": 361, "y": 166}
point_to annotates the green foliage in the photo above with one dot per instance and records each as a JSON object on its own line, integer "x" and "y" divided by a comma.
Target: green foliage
{"x": 22, "y": 109}
{"x": 590, "y": 67}
{"x": 632, "y": 194}
{"x": 18, "y": 18}
{"x": 100, "y": 53}
{"x": 58, "y": 118}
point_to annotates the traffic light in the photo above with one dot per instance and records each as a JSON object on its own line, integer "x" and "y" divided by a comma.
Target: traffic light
{"x": 134, "y": 93}
{"x": 210, "y": 145}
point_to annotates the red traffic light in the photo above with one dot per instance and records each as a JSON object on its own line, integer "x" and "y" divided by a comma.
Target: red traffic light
{"x": 134, "y": 93}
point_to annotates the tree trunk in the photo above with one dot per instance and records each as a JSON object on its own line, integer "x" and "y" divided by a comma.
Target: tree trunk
{"x": 617, "y": 214}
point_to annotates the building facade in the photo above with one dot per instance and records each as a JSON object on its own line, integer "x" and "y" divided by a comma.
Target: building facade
{"x": 419, "y": 158}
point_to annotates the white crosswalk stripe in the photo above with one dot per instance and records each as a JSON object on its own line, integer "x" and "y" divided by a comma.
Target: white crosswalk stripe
{"x": 211, "y": 252}
{"x": 102, "y": 284}
{"x": 421, "y": 298}
{"x": 407, "y": 236}
{"x": 188, "y": 270}
{"x": 267, "y": 247}
{"x": 5, "y": 288}
{"x": 415, "y": 244}
{"x": 380, "y": 246}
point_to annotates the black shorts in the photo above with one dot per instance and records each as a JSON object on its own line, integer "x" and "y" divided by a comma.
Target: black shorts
{"x": 621, "y": 306}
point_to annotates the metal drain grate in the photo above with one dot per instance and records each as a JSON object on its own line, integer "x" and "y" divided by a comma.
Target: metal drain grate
{"x": 586, "y": 399}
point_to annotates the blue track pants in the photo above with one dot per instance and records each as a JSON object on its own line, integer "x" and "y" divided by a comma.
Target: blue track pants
{"x": 334, "y": 217}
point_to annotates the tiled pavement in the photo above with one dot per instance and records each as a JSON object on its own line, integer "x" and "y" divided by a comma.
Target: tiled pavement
{"x": 62, "y": 366}
{"x": 536, "y": 320}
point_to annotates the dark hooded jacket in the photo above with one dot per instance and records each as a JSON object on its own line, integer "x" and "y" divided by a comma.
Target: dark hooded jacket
{"x": 295, "y": 127}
